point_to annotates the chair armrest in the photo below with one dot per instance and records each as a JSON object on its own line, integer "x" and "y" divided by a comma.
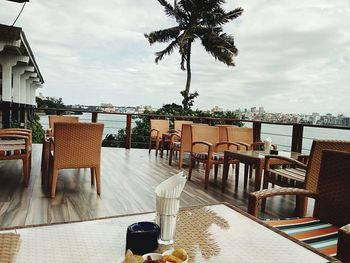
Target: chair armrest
{"x": 283, "y": 158}
{"x": 228, "y": 144}
{"x": 343, "y": 247}
{"x": 157, "y": 132}
{"x": 245, "y": 145}
{"x": 174, "y": 137}
{"x": 49, "y": 132}
{"x": 255, "y": 197}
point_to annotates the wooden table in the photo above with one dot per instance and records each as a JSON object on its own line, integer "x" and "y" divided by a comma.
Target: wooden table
{"x": 256, "y": 158}
{"x": 215, "y": 233}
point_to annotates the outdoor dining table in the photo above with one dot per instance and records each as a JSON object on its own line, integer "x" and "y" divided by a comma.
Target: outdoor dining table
{"x": 211, "y": 233}
{"x": 255, "y": 158}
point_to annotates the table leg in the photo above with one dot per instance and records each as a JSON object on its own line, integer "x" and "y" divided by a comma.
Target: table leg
{"x": 258, "y": 172}
{"x": 225, "y": 172}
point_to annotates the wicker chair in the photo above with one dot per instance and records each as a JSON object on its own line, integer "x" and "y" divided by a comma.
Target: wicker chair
{"x": 332, "y": 205}
{"x": 16, "y": 144}
{"x": 76, "y": 145}
{"x": 46, "y": 143}
{"x": 298, "y": 174}
{"x": 178, "y": 125}
{"x": 181, "y": 143}
{"x": 158, "y": 128}
{"x": 244, "y": 137}
{"x": 205, "y": 141}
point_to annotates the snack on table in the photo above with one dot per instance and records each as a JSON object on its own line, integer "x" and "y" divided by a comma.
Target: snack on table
{"x": 150, "y": 260}
{"x": 131, "y": 258}
{"x": 180, "y": 253}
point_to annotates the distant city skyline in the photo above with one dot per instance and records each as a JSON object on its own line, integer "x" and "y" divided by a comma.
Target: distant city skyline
{"x": 293, "y": 57}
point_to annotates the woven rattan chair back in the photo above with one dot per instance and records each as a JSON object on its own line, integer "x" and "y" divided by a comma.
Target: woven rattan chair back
{"x": 186, "y": 136}
{"x": 77, "y": 145}
{"x": 222, "y": 136}
{"x": 204, "y": 133}
{"x": 333, "y": 205}
{"x": 58, "y": 118}
{"x": 314, "y": 164}
{"x": 178, "y": 124}
{"x": 161, "y": 125}
{"x": 240, "y": 134}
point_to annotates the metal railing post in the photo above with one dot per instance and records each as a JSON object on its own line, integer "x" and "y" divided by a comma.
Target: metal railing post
{"x": 256, "y": 131}
{"x": 128, "y": 132}
{"x": 94, "y": 117}
{"x": 297, "y": 138}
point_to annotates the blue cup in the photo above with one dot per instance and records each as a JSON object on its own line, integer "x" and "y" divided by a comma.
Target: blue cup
{"x": 142, "y": 237}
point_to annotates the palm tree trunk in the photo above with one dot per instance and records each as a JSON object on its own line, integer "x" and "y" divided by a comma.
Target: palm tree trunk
{"x": 188, "y": 82}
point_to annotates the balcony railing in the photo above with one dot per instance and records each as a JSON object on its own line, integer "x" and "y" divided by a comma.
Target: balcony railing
{"x": 288, "y": 136}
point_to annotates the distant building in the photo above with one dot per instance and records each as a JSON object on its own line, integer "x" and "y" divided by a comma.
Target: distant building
{"x": 261, "y": 110}
{"x": 217, "y": 109}
{"x": 20, "y": 77}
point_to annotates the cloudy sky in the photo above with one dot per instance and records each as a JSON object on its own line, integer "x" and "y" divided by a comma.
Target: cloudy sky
{"x": 294, "y": 56}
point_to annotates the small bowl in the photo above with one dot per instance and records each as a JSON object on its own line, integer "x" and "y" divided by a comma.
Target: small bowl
{"x": 170, "y": 251}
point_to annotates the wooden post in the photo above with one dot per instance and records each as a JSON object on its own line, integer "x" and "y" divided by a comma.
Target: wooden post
{"x": 59, "y": 112}
{"x": 297, "y": 138}
{"x": 128, "y": 131}
{"x": 256, "y": 131}
{"x": 94, "y": 117}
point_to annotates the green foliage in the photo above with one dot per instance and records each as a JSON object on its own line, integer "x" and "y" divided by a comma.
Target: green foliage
{"x": 200, "y": 20}
{"x": 50, "y": 103}
{"x": 140, "y": 133}
{"x": 37, "y": 130}
{"x": 14, "y": 124}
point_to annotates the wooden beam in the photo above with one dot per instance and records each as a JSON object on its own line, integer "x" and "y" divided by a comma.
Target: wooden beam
{"x": 94, "y": 117}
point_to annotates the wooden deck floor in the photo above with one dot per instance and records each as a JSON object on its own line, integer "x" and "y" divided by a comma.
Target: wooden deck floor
{"x": 129, "y": 178}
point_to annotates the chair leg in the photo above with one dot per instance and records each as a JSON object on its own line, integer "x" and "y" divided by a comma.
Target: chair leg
{"x": 150, "y": 146}
{"x": 92, "y": 170}
{"x": 190, "y": 169}
{"x": 265, "y": 186}
{"x": 246, "y": 166}
{"x": 250, "y": 171}
{"x": 216, "y": 169}
{"x": 171, "y": 155}
{"x": 207, "y": 173}
{"x": 181, "y": 159}
{"x": 26, "y": 171}
{"x": 157, "y": 147}
{"x": 98, "y": 179}
{"x": 54, "y": 182}
{"x": 237, "y": 173}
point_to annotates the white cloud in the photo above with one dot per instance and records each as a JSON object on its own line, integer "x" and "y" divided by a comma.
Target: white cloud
{"x": 294, "y": 56}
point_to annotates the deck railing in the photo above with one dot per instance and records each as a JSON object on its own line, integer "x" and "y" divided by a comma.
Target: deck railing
{"x": 297, "y": 135}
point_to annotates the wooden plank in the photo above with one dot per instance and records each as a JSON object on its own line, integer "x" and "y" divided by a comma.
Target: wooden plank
{"x": 256, "y": 131}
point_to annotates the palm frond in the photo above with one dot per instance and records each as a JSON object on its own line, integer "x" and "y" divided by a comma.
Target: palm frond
{"x": 232, "y": 14}
{"x": 168, "y": 8}
{"x": 221, "y": 47}
{"x": 167, "y": 51}
{"x": 163, "y": 35}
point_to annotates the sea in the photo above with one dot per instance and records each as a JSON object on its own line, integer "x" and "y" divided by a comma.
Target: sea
{"x": 280, "y": 135}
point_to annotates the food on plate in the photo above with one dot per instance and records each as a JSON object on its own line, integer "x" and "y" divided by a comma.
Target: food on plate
{"x": 180, "y": 253}
{"x": 172, "y": 259}
{"x": 131, "y": 258}
{"x": 150, "y": 260}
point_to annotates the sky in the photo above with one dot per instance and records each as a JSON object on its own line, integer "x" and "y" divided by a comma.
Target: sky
{"x": 294, "y": 56}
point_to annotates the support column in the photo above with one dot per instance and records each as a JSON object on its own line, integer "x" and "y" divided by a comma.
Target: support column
{"x": 29, "y": 90}
{"x": 17, "y": 72}
{"x": 7, "y": 62}
{"x": 23, "y": 93}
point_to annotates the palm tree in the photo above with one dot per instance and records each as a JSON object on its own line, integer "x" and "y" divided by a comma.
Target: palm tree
{"x": 196, "y": 19}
